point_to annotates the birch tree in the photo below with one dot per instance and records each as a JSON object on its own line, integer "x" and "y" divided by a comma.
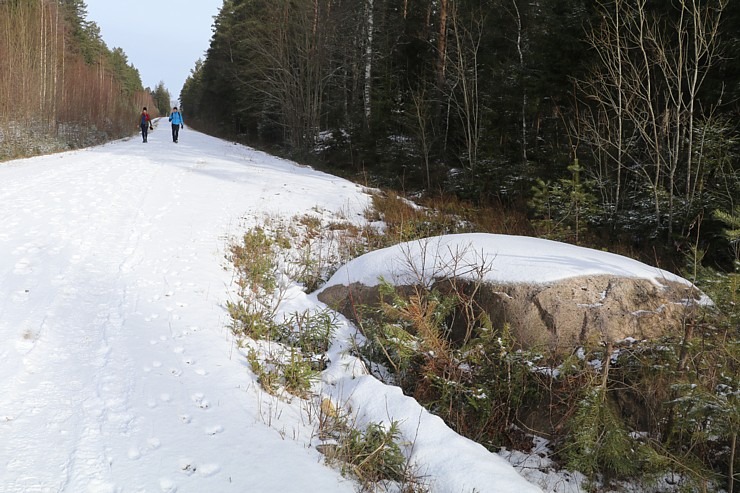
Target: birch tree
{"x": 442, "y": 43}
{"x": 369, "y": 26}
{"x": 642, "y": 97}
{"x": 520, "y": 52}
{"x": 464, "y": 79}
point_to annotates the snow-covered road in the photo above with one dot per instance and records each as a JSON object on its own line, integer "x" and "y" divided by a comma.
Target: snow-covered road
{"x": 118, "y": 372}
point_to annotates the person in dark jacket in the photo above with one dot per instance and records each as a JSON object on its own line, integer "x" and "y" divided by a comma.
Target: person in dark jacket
{"x": 145, "y": 122}
{"x": 177, "y": 124}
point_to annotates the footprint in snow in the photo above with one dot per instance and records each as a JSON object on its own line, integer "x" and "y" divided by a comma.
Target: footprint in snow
{"x": 187, "y": 466}
{"x": 98, "y": 486}
{"x": 200, "y": 401}
{"x": 69, "y": 292}
{"x": 207, "y": 470}
{"x": 134, "y": 453}
{"x": 21, "y": 296}
{"x": 27, "y": 341}
{"x": 167, "y": 485}
{"x": 214, "y": 430}
{"x": 23, "y": 266}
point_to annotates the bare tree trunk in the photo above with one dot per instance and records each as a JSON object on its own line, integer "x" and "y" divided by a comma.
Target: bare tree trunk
{"x": 421, "y": 112}
{"x": 42, "y": 58}
{"x": 620, "y": 108}
{"x": 63, "y": 68}
{"x": 704, "y": 50}
{"x": 368, "y": 59}
{"x": 442, "y": 44}
{"x": 519, "y": 50}
{"x": 55, "y": 61}
{"x": 464, "y": 92}
{"x": 731, "y": 473}
{"x": 651, "y": 125}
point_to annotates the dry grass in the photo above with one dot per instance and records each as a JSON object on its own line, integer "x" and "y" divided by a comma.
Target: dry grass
{"x": 441, "y": 215}
{"x": 485, "y": 218}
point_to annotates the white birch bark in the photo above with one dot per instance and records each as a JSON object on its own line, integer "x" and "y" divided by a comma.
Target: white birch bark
{"x": 521, "y": 71}
{"x": 368, "y": 58}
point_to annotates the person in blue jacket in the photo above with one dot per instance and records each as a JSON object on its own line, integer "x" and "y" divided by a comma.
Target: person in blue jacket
{"x": 177, "y": 124}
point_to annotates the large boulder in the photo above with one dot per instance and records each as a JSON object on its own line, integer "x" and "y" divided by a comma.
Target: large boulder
{"x": 554, "y": 296}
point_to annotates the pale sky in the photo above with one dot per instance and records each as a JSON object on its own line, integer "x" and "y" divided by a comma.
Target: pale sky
{"x": 162, "y": 38}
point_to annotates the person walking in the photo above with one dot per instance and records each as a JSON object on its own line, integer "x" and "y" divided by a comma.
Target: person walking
{"x": 145, "y": 122}
{"x": 177, "y": 124}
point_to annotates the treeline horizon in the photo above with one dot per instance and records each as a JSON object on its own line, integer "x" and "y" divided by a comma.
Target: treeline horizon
{"x": 61, "y": 87}
{"x": 607, "y": 121}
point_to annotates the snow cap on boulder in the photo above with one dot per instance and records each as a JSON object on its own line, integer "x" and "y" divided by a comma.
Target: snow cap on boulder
{"x": 552, "y": 294}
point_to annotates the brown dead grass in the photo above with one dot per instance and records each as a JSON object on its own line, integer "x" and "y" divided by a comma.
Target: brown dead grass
{"x": 439, "y": 215}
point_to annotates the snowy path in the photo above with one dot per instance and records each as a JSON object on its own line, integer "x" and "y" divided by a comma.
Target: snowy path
{"x": 117, "y": 369}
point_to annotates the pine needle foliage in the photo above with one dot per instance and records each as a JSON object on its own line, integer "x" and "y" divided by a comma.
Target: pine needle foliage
{"x": 599, "y": 442}
{"x": 310, "y": 331}
{"x": 732, "y": 220}
{"x": 373, "y": 454}
{"x": 565, "y": 209}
